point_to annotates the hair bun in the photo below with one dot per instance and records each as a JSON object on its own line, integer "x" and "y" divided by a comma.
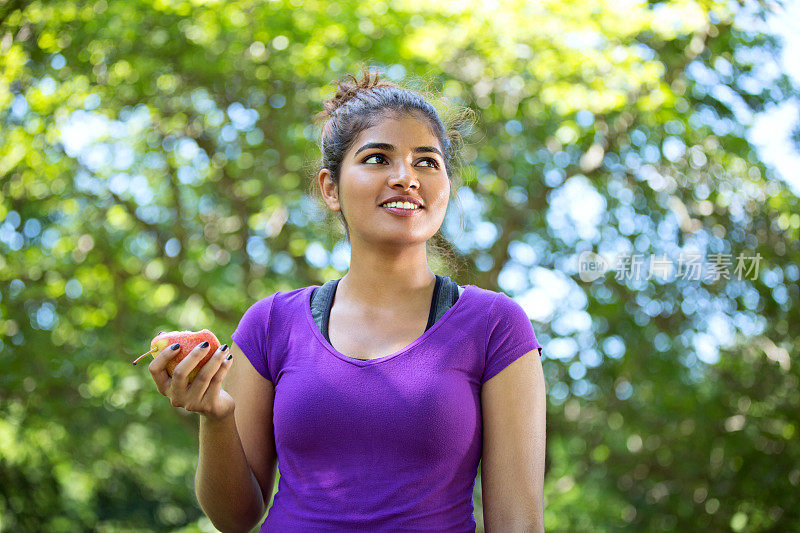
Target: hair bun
{"x": 350, "y": 88}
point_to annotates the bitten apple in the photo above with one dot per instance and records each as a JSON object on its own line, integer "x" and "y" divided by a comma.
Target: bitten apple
{"x": 187, "y": 340}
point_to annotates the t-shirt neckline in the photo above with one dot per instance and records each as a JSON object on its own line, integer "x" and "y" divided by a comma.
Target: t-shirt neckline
{"x": 468, "y": 290}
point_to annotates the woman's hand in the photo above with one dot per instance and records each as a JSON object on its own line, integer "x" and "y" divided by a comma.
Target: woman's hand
{"x": 204, "y": 395}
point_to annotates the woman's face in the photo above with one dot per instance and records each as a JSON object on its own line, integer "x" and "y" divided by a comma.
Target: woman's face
{"x": 399, "y": 156}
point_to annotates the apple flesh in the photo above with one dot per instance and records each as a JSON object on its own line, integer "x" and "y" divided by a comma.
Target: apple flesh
{"x": 187, "y": 340}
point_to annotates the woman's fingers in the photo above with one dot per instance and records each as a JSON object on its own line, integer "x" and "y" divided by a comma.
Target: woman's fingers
{"x": 197, "y": 388}
{"x": 158, "y": 367}
{"x": 204, "y": 394}
{"x": 210, "y": 368}
{"x": 180, "y": 374}
{"x": 214, "y": 388}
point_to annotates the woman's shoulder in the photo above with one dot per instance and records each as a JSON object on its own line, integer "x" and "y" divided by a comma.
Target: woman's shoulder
{"x": 481, "y": 295}
{"x": 287, "y": 294}
{"x": 281, "y": 298}
{"x": 493, "y": 302}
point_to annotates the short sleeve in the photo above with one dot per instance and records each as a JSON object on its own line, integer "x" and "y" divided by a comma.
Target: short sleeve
{"x": 509, "y": 335}
{"x": 252, "y": 335}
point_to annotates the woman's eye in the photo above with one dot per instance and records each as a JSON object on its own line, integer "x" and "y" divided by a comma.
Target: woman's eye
{"x": 379, "y": 156}
{"x": 432, "y": 162}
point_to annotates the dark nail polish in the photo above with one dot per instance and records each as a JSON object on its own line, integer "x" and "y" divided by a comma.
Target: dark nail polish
{"x": 230, "y": 356}
{"x": 175, "y": 346}
{"x": 224, "y": 347}
{"x": 204, "y": 345}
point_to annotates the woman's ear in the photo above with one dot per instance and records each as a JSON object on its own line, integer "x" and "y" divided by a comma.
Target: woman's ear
{"x": 329, "y": 190}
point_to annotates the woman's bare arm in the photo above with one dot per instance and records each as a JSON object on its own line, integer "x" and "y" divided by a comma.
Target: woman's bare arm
{"x": 512, "y": 465}
{"x": 237, "y": 465}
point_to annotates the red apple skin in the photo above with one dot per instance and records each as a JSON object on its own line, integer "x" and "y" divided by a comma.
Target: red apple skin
{"x": 188, "y": 340}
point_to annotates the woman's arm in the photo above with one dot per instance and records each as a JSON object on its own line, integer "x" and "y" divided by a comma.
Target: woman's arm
{"x": 513, "y": 405}
{"x": 235, "y": 474}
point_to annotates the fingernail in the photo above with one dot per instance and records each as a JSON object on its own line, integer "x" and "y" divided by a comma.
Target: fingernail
{"x": 204, "y": 345}
{"x": 224, "y": 347}
{"x": 175, "y": 346}
{"x": 230, "y": 356}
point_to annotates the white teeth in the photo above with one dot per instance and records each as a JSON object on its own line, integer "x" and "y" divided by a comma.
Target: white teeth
{"x": 402, "y": 205}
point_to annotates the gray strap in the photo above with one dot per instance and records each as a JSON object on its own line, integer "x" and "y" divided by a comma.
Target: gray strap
{"x": 448, "y": 294}
{"x": 322, "y": 302}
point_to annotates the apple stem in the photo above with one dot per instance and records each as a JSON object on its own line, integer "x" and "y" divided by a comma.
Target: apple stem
{"x": 144, "y": 355}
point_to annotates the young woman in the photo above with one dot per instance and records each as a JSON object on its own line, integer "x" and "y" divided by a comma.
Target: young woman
{"x": 380, "y": 392}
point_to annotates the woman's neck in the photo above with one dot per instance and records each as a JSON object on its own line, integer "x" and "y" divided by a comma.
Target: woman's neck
{"x": 401, "y": 277}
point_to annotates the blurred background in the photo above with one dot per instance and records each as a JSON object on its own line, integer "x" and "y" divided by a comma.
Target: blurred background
{"x": 154, "y": 161}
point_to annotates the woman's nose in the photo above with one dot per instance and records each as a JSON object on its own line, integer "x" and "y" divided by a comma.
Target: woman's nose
{"x": 404, "y": 175}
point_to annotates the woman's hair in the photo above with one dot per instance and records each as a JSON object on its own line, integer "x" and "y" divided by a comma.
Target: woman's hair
{"x": 360, "y": 104}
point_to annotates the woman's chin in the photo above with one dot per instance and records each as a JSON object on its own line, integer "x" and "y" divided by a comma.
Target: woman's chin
{"x": 395, "y": 239}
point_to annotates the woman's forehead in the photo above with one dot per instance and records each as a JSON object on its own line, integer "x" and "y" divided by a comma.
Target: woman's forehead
{"x": 406, "y": 128}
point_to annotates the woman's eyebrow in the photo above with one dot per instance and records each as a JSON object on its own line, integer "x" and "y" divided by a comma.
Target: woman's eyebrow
{"x": 390, "y": 147}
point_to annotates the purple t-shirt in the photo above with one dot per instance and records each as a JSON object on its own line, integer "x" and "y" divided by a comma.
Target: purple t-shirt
{"x": 387, "y": 444}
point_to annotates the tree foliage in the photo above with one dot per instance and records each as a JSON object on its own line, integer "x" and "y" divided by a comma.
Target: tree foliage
{"x": 153, "y": 163}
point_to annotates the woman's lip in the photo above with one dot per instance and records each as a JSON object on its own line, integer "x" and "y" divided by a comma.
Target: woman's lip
{"x": 402, "y": 212}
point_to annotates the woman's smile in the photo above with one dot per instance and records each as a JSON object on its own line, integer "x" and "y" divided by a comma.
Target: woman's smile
{"x": 402, "y": 211}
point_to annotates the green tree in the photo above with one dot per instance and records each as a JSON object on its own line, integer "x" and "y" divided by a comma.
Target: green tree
{"x": 153, "y": 163}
